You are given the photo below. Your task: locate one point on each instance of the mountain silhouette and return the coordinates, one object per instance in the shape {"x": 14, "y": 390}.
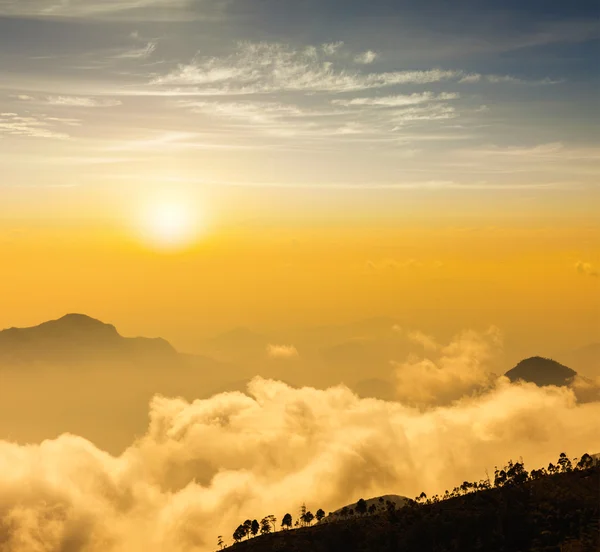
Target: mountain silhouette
{"x": 380, "y": 503}
{"x": 77, "y": 337}
{"x": 542, "y": 372}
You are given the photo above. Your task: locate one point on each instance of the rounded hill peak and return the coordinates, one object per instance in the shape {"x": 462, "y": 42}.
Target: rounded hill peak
{"x": 541, "y": 371}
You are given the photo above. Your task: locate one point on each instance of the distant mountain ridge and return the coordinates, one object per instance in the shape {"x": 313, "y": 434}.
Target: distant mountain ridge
{"x": 76, "y": 337}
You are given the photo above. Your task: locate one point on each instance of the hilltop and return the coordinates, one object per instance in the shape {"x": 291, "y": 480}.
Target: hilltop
{"x": 541, "y": 371}
{"x": 537, "y": 512}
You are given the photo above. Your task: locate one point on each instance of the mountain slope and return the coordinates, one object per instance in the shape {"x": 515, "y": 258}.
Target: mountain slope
{"x": 556, "y": 512}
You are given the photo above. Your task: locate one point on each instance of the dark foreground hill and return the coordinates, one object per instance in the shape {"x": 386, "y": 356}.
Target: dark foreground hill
{"x": 554, "y": 513}
{"x": 541, "y": 371}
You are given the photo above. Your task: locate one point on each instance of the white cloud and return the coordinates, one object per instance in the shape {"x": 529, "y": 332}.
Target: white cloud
{"x": 138, "y": 53}
{"x": 460, "y": 369}
{"x": 366, "y": 58}
{"x": 265, "y": 67}
{"x": 203, "y": 467}
{"x": 34, "y": 126}
{"x": 81, "y": 101}
{"x": 254, "y": 112}
{"x": 331, "y": 48}
{"x": 433, "y": 112}
{"x": 282, "y": 351}
{"x": 396, "y": 101}
{"x": 83, "y": 8}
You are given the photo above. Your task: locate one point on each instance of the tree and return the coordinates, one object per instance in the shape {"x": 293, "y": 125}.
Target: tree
{"x": 307, "y": 518}
{"x": 372, "y": 509}
{"x": 239, "y": 533}
{"x": 585, "y": 462}
{"x": 220, "y": 542}
{"x": 361, "y": 507}
{"x": 273, "y": 521}
{"x": 265, "y": 526}
{"x": 344, "y": 512}
{"x": 286, "y": 522}
{"x": 320, "y": 514}
{"x": 254, "y": 528}
{"x": 564, "y": 463}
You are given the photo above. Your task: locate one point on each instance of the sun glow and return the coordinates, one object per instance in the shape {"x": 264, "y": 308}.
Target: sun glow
{"x": 171, "y": 223}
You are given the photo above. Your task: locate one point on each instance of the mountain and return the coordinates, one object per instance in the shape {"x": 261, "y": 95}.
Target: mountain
{"x": 379, "y": 504}
{"x": 541, "y": 371}
{"x": 559, "y": 512}
{"x": 79, "y": 375}
{"x": 77, "y": 338}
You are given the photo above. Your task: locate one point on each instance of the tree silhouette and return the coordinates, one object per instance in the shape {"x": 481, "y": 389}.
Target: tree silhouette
{"x": 273, "y": 521}
{"x": 585, "y": 462}
{"x": 247, "y": 525}
{"x": 239, "y": 533}
{"x": 254, "y": 528}
{"x": 286, "y": 522}
{"x": 220, "y": 542}
{"x": 307, "y": 518}
{"x": 320, "y": 514}
{"x": 361, "y": 507}
{"x": 372, "y": 509}
{"x": 265, "y": 526}
{"x": 564, "y": 463}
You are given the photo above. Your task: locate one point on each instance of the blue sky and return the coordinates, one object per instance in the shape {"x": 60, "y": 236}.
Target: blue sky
{"x": 386, "y": 94}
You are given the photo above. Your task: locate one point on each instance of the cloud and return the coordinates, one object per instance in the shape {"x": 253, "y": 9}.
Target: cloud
{"x": 81, "y": 101}
{"x": 396, "y": 101}
{"x": 282, "y": 351}
{"x": 426, "y": 341}
{"x": 34, "y": 126}
{"x": 72, "y": 9}
{"x": 203, "y": 467}
{"x": 138, "y": 53}
{"x": 272, "y": 67}
{"x": 332, "y": 48}
{"x": 253, "y": 112}
{"x": 366, "y": 58}
{"x": 460, "y": 369}
{"x": 586, "y": 269}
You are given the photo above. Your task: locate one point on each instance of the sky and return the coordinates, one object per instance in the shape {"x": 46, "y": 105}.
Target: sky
{"x": 395, "y": 194}
{"x": 183, "y": 167}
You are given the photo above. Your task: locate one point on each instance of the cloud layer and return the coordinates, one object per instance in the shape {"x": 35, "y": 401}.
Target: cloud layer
{"x": 204, "y": 466}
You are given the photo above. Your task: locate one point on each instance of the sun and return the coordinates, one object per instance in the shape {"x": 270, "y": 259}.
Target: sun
{"x": 171, "y": 223}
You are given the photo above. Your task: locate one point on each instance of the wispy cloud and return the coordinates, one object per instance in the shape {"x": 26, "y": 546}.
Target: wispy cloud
{"x": 366, "y": 58}
{"x": 34, "y": 126}
{"x": 282, "y": 351}
{"x": 274, "y": 67}
{"x": 397, "y": 101}
{"x": 265, "y": 67}
{"x": 138, "y": 53}
{"x": 84, "y": 8}
{"x": 81, "y": 101}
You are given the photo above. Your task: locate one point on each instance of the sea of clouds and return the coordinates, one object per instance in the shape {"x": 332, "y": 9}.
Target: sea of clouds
{"x": 203, "y": 467}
